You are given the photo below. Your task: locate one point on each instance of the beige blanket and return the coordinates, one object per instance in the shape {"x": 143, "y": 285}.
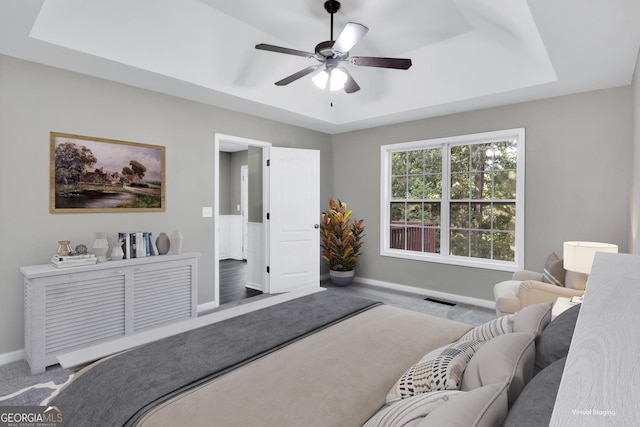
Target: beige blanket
{"x": 336, "y": 377}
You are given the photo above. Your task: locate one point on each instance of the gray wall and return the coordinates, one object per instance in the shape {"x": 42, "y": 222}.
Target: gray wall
{"x": 230, "y": 181}
{"x": 579, "y": 170}
{"x": 635, "y": 188}
{"x": 255, "y": 185}
{"x": 36, "y": 99}
{"x": 578, "y": 177}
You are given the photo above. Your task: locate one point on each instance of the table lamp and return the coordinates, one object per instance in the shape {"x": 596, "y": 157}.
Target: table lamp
{"x": 578, "y": 256}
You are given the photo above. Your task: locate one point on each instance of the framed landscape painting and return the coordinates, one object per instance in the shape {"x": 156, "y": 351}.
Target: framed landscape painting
{"x": 91, "y": 174}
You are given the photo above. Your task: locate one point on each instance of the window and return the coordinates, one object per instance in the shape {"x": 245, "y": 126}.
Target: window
{"x": 457, "y": 200}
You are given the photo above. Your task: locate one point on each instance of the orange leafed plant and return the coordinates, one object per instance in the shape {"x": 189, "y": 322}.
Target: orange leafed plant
{"x": 341, "y": 237}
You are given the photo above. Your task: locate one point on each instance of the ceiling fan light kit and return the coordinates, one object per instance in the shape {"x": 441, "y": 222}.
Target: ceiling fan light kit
{"x": 332, "y": 53}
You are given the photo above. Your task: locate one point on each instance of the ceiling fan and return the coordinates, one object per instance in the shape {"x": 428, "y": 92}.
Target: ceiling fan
{"x": 331, "y": 54}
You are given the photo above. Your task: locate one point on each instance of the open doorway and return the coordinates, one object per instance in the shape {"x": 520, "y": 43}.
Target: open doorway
{"x": 283, "y": 250}
{"x": 239, "y": 242}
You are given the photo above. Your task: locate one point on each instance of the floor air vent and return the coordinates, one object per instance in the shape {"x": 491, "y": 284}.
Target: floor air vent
{"x": 439, "y": 301}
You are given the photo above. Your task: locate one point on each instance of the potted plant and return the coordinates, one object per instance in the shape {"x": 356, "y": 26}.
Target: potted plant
{"x": 341, "y": 242}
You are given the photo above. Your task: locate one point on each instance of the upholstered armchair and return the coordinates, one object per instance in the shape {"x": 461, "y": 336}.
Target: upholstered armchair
{"x": 526, "y": 288}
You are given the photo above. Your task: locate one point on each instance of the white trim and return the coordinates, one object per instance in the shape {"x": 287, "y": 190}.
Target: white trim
{"x": 218, "y": 138}
{"x": 427, "y": 292}
{"x": 207, "y": 306}
{"x": 11, "y": 357}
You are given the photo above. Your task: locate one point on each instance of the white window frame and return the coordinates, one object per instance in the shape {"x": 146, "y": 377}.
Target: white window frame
{"x": 386, "y": 152}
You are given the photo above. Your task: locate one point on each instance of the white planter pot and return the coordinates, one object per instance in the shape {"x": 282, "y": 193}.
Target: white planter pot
{"x": 341, "y": 278}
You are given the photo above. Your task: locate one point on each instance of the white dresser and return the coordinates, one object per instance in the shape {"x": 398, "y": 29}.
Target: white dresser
{"x": 71, "y": 308}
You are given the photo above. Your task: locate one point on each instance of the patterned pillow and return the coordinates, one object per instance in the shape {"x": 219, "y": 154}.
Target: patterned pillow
{"x": 553, "y": 270}
{"x": 491, "y": 329}
{"x": 440, "y": 369}
{"x": 411, "y": 411}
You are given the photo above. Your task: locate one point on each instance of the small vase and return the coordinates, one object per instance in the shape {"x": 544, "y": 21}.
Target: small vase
{"x": 101, "y": 246}
{"x": 176, "y": 242}
{"x": 163, "y": 244}
{"x": 116, "y": 253}
{"x": 64, "y": 247}
{"x": 341, "y": 278}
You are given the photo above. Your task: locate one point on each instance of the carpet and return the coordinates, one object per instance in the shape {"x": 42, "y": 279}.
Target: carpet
{"x": 35, "y": 395}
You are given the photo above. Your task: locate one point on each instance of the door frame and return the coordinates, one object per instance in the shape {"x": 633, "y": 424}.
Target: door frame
{"x": 218, "y": 138}
{"x": 244, "y": 206}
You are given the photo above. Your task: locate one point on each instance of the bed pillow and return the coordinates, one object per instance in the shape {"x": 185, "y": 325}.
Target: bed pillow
{"x": 491, "y": 329}
{"x": 411, "y": 411}
{"x": 553, "y": 271}
{"x": 553, "y": 343}
{"x": 440, "y": 369}
{"x": 509, "y": 357}
{"x": 483, "y": 407}
{"x": 535, "y": 404}
{"x": 533, "y": 318}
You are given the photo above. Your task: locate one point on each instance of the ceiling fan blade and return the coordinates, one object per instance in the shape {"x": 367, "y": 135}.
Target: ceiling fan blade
{"x": 348, "y": 38}
{"x": 370, "y": 61}
{"x": 350, "y": 85}
{"x": 286, "y": 50}
{"x": 295, "y": 76}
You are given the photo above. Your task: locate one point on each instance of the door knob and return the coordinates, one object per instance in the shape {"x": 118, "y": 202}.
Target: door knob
{"x": 316, "y": 226}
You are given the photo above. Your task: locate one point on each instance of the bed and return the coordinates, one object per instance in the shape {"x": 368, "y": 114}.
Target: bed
{"x": 324, "y": 359}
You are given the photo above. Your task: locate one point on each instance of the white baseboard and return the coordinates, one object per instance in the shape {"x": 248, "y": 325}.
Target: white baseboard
{"x": 254, "y": 286}
{"x": 207, "y": 306}
{"x": 14, "y": 356}
{"x": 428, "y": 293}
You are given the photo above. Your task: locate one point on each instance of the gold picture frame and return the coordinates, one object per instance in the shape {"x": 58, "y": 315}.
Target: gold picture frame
{"x": 90, "y": 174}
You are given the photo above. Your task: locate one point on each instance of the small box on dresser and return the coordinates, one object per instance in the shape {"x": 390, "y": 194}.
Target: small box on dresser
{"x": 76, "y": 307}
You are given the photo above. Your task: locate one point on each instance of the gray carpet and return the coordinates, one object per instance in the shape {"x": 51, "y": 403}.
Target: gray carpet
{"x": 16, "y": 376}
{"x": 465, "y": 313}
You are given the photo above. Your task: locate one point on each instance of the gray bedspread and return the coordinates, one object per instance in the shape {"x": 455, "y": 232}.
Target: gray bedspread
{"x": 120, "y": 390}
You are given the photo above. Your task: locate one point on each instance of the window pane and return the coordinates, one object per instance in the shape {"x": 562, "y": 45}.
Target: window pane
{"x": 414, "y": 239}
{"x": 504, "y": 246}
{"x": 433, "y": 187}
{"x": 416, "y": 188}
{"x": 505, "y": 155}
{"x": 481, "y": 157}
{"x": 460, "y": 186}
{"x": 459, "y": 215}
{"x": 460, "y": 159}
{"x": 398, "y": 213}
{"x": 505, "y": 185}
{"x": 504, "y": 216}
{"x": 480, "y": 244}
{"x": 432, "y": 240}
{"x": 432, "y": 214}
{"x": 433, "y": 160}
{"x": 416, "y": 161}
{"x": 481, "y": 216}
{"x": 481, "y": 185}
{"x": 398, "y": 187}
{"x": 397, "y": 237}
{"x": 459, "y": 245}
{"x": 414, "y": 214}
{"x": 399, "y": 163}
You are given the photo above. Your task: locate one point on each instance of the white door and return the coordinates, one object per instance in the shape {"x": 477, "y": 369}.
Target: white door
{"x": 294, "y": 212}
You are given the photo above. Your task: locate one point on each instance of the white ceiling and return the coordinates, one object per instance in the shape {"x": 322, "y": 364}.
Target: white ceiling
{"x": 466, "y": 54}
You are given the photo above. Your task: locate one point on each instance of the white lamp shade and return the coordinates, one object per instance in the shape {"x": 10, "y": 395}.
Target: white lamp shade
{"x": 336, "y": 79}
{"x": 321, "y": 79}
{"x": 578, "y": 256}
